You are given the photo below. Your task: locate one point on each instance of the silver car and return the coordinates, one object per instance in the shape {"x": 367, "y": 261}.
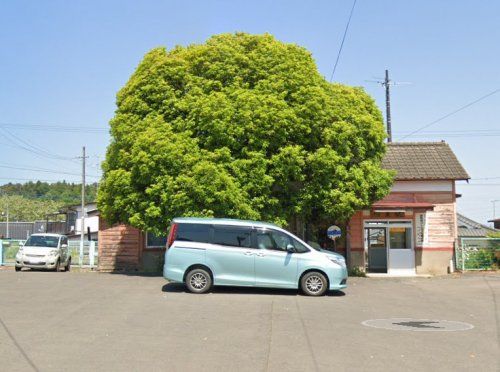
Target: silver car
{"x": 44, "y": 251}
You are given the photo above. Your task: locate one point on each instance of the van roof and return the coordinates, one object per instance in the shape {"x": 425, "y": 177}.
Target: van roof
{"x": 222, "y": 221}
{"x": 46, "y": 234}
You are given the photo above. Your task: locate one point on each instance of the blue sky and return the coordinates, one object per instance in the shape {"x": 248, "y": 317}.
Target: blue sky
{"x": 63, "y": 62}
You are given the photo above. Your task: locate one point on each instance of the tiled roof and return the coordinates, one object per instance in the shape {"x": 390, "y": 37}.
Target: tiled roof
{"x": 423, "y": 161}
{"x": 471, "y": 228}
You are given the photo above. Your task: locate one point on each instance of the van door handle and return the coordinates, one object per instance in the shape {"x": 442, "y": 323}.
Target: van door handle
{"x": 260, "y": 254}
{"x": 248, "y": 253}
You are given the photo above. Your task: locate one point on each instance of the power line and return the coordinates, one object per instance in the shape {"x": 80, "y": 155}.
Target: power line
{"x": 53, "y": 128}
{"x": 32, "y": 179}
{"x": 31, "y": 148}
{"x": 457, "y": 133}
{"x": 452, "y": 113}
{"x": 487, "y": 178}
{"x": 45, "y": 170}
{"x": 343, "y": 39}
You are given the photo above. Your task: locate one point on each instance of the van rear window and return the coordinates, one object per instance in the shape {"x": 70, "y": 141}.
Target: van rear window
{"x": 193, "y": 232}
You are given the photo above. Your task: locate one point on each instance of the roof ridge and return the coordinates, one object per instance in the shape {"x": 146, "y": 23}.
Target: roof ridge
{"x": 472, "y": 222}
{"x": 439, "y": 143}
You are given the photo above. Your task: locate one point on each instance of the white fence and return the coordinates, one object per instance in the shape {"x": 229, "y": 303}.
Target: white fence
{"x": 86, "y": 256}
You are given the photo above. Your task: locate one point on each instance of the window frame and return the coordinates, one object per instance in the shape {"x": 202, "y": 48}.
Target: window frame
{"x": 152, "y": 247}
{"x": 250, "y": 228}
{"x": 290, "y": 236}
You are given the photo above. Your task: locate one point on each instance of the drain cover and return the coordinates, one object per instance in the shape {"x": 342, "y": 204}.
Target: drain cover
{"x": 419, "y": 325}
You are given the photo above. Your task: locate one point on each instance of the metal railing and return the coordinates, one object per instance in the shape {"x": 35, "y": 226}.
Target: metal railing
{"x": 478, "y": 254}
{"x": 8, "y": 251}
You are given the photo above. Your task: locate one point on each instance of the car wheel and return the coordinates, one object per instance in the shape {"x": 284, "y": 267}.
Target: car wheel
{"x": 314, "y": 284}
{"x": 198, "y": 281}
{"x": 58, "y": 266}
{"x": 18, "y": 268}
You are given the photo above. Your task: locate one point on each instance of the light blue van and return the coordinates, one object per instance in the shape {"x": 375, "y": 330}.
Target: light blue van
{"x": 202, "y": 252}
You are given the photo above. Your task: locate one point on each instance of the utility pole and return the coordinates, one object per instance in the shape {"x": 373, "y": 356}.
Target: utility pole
{"x": 387, "y": 84}
{"x": 494, "y": 212}
{"x": 82, "y": 215}
{"x": 6, "y": 213}
{"x": 7, "y": 230}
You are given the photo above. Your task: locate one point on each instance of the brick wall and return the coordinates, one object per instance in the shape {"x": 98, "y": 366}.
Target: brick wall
{"x": 120, "y": 247}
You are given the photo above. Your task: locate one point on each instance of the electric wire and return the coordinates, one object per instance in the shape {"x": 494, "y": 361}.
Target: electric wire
{"x": 451, "y": 113}
{"x": 343, "y": 39}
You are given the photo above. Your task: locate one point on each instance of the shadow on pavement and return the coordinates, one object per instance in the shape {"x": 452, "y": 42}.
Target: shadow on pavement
{"x": 181, "y": 288}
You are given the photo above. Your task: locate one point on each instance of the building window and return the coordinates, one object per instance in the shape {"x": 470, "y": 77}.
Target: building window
{"x": 153, "y": 241}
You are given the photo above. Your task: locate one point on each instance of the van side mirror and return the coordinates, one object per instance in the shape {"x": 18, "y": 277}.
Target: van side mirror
{"x": 64, "y": 246}
{"x": 290, "y": 248}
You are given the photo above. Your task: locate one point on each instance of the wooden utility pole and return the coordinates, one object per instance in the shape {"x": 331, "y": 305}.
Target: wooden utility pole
{"x": 387, "y": 84}
{"x": 82, "y": 213}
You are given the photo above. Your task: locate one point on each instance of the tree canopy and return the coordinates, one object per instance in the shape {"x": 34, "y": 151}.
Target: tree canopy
{"x": 243, "y": 126}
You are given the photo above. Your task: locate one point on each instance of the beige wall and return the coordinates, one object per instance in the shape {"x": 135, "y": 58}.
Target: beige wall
{"x": 433, "y": 262}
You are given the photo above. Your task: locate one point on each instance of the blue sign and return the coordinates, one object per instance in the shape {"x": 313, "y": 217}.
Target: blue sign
{"x": 333, "y": 232}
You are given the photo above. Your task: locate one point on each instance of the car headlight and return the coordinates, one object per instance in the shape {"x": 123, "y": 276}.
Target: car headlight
{"x": 339, "y": 260}
{"x": 53, "y": 252}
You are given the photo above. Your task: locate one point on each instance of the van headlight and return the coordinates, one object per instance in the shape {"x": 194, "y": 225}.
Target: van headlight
{"x": 53, "y": 252}
{"x": 339, "y": 260}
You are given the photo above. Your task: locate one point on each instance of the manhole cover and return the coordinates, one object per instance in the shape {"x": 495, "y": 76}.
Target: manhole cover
{"x": 419, "y": 325}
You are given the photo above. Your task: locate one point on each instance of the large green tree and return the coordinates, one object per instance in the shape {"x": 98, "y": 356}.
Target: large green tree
{"x": 242, "y": 126}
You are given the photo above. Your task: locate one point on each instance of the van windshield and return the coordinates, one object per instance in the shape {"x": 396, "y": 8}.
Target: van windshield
{"x": 42, "y": 241}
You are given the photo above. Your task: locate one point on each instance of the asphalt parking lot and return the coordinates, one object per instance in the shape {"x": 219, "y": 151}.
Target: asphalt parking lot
{"x": 91, "y": 321}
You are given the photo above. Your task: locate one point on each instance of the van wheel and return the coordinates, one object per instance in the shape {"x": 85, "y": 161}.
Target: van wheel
{"x": 198, "y": 281}
{"x": 18, "y": 268}
{"x": 58, "y": 266}
{"x": 314, "y": 284}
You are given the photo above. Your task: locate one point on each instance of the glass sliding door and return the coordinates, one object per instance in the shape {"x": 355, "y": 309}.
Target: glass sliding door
{"x": 400, "y": 237}
{"x": 389, "y": 247}
{"x": 376, "y": 244}
{"x": 401, "y": 253}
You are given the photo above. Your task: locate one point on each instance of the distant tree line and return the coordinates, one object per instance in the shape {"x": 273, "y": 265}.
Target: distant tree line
{"x": 35, "y": 200}
{"x": 64, "y": 192}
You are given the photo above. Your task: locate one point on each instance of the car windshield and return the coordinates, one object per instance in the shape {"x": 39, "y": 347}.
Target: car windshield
{"x": 42, "y": 241}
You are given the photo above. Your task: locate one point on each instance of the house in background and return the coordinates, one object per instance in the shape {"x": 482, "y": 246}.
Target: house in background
{"x": 412, "y": 230}
{"x": 496, "y": 223}
{"x": 468, "y": 228}
{"x": 21, "y": 230}
{"x": 53, "y": 224}
{"x": 74, "y": 221}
